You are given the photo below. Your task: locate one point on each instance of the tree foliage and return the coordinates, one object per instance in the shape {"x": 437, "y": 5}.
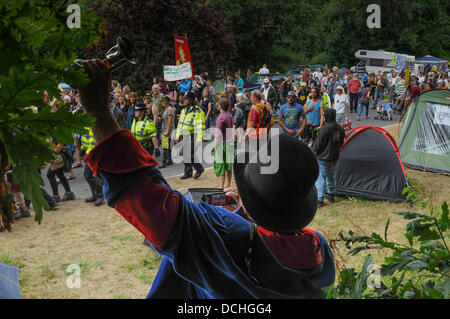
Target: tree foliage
{"x": 38, "y": 50}
{"x": 290, "y": 32}
{"x": 151, "y": 25}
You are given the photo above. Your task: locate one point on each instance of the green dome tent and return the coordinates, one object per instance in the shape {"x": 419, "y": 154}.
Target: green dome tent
{"x": 424, "y": 141}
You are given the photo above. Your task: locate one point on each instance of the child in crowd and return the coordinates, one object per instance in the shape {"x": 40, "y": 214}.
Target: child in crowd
{"x": 385, "y": 109}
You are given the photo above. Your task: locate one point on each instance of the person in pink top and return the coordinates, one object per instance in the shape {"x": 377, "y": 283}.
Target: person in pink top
{"x": 354, "y": 87}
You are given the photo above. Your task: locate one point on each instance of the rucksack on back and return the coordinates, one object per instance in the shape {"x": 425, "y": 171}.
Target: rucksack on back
{"x": 68, "y": 159}
{"x": 266, "y": 119}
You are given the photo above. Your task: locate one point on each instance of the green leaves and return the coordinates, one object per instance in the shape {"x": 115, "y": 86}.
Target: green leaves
{"x": 38, "y": 51}
{"x": 427, "y": 257}
{"x": 444, "y": 221}
{"x": 60, "y": 124}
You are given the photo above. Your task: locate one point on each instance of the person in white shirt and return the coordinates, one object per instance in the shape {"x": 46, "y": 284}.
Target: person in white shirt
{"x": 318, "y": 75}
{"x": 421, "y": 77}
{"x": 269, "y": 92}
{"x": 266, "y": 87}
{"x": 340, "y": 104}
{"x": 393, "y": 83}
{"x": 264, "y": 70}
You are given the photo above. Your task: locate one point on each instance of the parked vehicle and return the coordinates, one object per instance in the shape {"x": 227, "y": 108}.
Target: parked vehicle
{"x": 375, "y": 61}
{"x": 276, "y": 79}
{"x": 296, "y": 70}
{"x": 257, "y": 81}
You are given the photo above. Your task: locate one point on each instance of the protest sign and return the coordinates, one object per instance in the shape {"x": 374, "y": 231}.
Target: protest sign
{"x": 177, "y": 72}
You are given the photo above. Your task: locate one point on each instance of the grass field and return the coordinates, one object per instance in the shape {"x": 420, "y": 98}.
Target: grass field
{"x": 113, "y": 262}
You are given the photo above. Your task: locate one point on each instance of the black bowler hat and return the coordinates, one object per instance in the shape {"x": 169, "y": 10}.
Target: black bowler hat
{"x": 286, "y": 201}
{"x": 140, "y": 106}
{"x": 190, "y": 95}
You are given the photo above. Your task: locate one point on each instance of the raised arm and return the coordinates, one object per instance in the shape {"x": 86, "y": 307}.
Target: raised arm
{"x": 97, "y": 104}
{"x": 139, "y": 195}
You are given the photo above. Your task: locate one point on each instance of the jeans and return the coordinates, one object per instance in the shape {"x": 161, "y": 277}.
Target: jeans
{"x": 326, "y": 179}
{"x": 363, "y": 105}
{"x": 354, "y": 97}
{"x": 277, "y": 100}
{"x": 208, "y": 121}
{"x": 158, "y": 125}
{"x": 95, "y": 182}
{"x": 378, "y": 98}
{"x": 51, "y": 175}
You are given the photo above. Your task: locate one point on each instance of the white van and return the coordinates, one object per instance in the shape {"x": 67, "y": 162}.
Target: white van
{"x": 375, "y": 61}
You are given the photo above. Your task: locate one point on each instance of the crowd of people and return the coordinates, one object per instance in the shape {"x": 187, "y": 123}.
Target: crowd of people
{"x": 183, "y": 111}
{"x": 360, "y": 90}
{"x": 231, "y": 254}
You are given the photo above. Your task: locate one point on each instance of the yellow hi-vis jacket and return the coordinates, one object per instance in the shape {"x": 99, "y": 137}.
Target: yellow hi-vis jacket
{"x": 325, "y": 99}
{"x": 88, "y": 141}
{"x": 144, "y": 130}
{"x": 192, "y": 121}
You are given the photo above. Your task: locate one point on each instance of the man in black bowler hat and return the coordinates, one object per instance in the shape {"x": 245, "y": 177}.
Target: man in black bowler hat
{"x": 262, "y": 250}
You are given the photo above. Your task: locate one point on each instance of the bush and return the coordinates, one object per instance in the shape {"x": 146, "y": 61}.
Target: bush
{"x": 419, "y": 269}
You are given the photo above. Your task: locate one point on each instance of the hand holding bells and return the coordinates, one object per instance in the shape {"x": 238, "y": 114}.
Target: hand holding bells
{"x": 95, "y": 95}
{"x": 119, "y": 55}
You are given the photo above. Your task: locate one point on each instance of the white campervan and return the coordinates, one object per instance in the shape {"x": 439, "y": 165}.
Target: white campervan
{"x": 375, "y": 61}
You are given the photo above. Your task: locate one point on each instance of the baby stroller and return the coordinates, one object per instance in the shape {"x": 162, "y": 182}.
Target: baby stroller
{"x": 383, "y": 112}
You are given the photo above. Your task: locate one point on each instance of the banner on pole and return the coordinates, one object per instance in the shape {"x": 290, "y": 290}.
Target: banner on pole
{"x": 399, "y": 62}
{"x": 177, "y": 72}
{"x": 182, "y": 52}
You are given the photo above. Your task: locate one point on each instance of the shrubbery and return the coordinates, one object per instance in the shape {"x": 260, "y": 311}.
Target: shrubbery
{"x": 418, "y": 269}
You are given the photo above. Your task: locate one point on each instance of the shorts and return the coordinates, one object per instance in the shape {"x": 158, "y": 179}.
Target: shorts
{"x": 223, "y": 159}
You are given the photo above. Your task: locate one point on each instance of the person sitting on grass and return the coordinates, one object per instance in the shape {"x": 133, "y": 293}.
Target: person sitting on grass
{"x": 262, "y": 250}
{"x": 223, "y": 144}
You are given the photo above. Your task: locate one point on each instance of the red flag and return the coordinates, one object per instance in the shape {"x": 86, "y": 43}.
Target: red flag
{"x": 182, "y": 52}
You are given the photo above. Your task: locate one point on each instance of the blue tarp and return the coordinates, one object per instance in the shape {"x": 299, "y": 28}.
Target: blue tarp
{"x": 8, "y": 276}
{"x": 430, "y": 59}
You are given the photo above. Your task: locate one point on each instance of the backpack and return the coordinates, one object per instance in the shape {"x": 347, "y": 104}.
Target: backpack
{"x": 265, "y": 118}
{"x": 68, "y": 159}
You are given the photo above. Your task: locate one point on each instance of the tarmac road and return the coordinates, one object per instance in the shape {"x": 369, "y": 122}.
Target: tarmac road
{"x": 81, "y": 189}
